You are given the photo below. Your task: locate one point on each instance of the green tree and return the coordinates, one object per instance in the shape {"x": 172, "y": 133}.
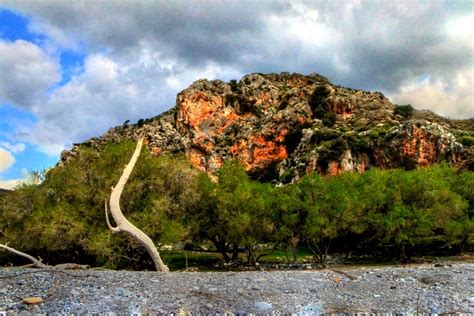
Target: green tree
{"x": 333, "y": 209}
{"x": 289, "y": 215}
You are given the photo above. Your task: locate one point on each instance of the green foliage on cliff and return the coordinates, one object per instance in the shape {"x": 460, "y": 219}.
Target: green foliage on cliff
{"x": 404, "y": 110}
{"x": 329, "y": 119}
{"x": 396, "y": 212}
{"x": 317, "y": 101}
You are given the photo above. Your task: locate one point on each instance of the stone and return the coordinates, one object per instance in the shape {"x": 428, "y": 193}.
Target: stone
{"x": 312, "y": 309}
{"x": 32, "y": 300}
{"x": 262, "y": 305}
{"x": 74, "y": 292}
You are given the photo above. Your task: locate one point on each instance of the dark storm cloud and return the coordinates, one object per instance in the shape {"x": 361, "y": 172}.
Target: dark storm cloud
{"x": 381, "y": 42}
{"x": 194, "y": 32}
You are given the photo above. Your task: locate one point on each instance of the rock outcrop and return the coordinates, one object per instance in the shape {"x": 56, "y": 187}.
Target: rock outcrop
{"x": 275, "y": 125}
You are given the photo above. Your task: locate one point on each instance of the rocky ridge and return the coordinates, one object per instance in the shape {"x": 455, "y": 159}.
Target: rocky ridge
{"x": 275, "y": 125}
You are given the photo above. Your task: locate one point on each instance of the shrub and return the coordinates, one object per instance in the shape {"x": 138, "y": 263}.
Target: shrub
{"x": 329, "y": 119}
{"x": 233, "y": 85}
{"x": 467, "y": 141}
{"x": 323, "y": 135}
{"x": 357, "y": 144}
{"x": 404, "y": 110}
{"x": 331, "y": 153}
{"x": 316, "y": 101}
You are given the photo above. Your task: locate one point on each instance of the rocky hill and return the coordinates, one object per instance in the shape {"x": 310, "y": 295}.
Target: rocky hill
{"x": 281, "y": 126}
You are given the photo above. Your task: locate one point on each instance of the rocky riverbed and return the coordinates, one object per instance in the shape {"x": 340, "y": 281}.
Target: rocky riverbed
{"x": 395, "y": 289}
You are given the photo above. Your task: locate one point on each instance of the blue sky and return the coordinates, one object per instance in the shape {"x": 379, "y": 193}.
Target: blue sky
{"x": 27, "y": 158}
{"x": 71, "y": 70}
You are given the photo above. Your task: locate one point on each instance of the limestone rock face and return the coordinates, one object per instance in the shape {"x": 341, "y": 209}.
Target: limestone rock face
{"x": 272, "y": 124}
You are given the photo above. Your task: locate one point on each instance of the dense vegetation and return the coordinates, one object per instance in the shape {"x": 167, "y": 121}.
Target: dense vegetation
{"x": 394, "y": 212}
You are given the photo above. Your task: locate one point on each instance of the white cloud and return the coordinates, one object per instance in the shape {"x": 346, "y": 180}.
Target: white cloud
{"x": 10, "y": 184}
{"x": 26, "y": 71}
{"x": 452, "y": 98}
{"x": 6, "y": 159}
{"x": 14, "y": 148}
{"x": 462, "y": 29}
{"x": 26, "y": 178}
{"x": 109, "y": 92}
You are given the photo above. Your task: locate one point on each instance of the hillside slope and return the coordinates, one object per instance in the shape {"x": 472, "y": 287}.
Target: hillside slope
{"x": 281, "y": 126}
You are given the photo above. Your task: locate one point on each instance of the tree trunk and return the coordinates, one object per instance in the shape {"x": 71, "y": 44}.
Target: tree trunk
{"x": 123, "y": 225}
{"x": 235, "y": 252}
{"x": 221, "y": 248}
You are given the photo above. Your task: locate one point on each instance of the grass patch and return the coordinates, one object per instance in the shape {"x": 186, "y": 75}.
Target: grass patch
{"x": 203, "y": 261}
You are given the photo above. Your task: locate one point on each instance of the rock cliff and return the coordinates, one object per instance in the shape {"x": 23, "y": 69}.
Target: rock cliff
{"x": 281, "y": 126}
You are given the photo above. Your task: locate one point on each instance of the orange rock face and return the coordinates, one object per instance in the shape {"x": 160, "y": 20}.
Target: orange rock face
{"x": 258, "y": 152}
{"x": 420, "y": 147}
{"x": 204, "y": 115}
{"x": 343, "y": 107}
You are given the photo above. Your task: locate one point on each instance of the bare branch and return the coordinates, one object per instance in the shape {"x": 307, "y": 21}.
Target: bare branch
{"x": 122, "y": 223}
{"x": 113, "y": 229}
{"x": 36, "y": 262}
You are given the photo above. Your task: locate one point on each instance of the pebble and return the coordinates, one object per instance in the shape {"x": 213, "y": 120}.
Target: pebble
{"x": 262, "y": 305}
{"x": 32, "y": 300}
{"x": 74, "y": 292}
{"x": 280, "y": 292}
{"x": 313, "y": 308}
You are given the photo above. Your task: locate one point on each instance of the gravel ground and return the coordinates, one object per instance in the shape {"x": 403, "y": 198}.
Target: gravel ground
{"x": 399, "y": 289}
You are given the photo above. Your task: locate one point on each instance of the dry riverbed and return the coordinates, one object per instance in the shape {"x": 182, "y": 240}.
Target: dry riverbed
{"x": 396, "y": 289}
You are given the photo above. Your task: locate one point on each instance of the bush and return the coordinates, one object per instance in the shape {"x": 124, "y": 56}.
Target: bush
{"x": 467, "y": 141}
{"x": 329, "y": 119}
{"x": 316, "y": 101}
{"x": 323, "y": 135}
{"x": 357, "y": 144}
{"x": 332, "y": 153}
{"x": 404, "y": 110}
{"x": 233, "y": 85}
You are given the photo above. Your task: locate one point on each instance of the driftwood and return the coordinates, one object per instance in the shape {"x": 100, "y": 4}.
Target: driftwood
{"x": 350, "y": 276}
{"x": 43, "y": 267}
{"x": 122, "y": 224}
{"x": 36, "y": 263}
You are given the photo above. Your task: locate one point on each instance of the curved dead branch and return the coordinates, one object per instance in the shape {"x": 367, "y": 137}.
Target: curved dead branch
{"x": 123, "y": 225}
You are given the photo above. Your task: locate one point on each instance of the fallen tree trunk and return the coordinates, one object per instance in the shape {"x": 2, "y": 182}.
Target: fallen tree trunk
{"x": 122, "y": 224}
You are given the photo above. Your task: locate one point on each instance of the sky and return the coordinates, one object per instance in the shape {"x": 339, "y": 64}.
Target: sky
{"x": 70, "y": 70}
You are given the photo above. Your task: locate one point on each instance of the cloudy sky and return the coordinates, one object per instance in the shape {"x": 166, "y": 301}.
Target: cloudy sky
{"x": 69, "y": 70}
